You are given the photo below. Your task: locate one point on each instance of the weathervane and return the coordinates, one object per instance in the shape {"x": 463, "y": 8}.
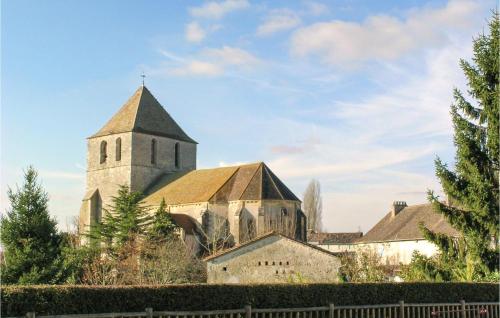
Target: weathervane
{"x": 143, "y": 77}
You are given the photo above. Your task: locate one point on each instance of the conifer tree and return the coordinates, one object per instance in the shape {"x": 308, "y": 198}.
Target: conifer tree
{"x": 472, "y": 186}
{"x": 124, "y": 220}
{"x": 162, "y": 226}
{"x": 31, "y": 243}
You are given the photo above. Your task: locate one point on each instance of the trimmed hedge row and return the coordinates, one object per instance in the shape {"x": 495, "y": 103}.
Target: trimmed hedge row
{"x": 53, "y": 300}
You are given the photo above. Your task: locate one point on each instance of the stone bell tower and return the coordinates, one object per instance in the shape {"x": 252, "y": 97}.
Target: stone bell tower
{"x": 137, "y": 145}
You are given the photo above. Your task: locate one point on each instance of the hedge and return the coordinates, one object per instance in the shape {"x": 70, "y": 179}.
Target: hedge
{"x": 53, "y": 300}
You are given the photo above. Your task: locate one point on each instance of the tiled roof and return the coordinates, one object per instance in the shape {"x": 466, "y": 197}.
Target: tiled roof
{"x": 143, "y": 113}
{"x": 405, "y": 225}
{"x": 261, "y": 237}
{"x": 333, "y": 238}
{"x": 246, "y": 182}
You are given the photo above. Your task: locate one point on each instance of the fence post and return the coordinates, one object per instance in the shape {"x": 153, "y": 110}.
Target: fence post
{"x": 331, "y": 307}
{"x": 462, "y": 309}
{"x": 30, "y": 314}
{"x": 248, "y": 311}
{"x": 401, "y": 309}
{"x": 149, "y": 312}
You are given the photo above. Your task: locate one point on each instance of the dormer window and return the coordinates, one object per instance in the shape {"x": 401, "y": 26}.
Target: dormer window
{"x": 104, "y": 152}
{"x": 153, "y": 151}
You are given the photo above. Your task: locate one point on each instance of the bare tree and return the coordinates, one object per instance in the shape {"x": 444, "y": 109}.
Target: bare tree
{"x": 313, "y": 206}
{"x": 214, "y": 235}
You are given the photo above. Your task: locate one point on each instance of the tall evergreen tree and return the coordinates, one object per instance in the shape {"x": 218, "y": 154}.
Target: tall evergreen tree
{"x": 29, "y": 236}
{"x": 162, "y": 226}
{"x": 124, "y": 220}
{"x": 472, "y": 187}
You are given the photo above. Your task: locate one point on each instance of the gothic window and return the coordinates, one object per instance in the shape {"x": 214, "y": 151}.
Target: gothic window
{"x": 153, "y": 151}
{"x": 118, "y": 149}
{"x": 177, "y": 155}
{"x": 104, "y": 151}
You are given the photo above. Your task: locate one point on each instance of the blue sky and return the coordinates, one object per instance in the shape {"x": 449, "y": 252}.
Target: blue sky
{"x": 353, "y": 93}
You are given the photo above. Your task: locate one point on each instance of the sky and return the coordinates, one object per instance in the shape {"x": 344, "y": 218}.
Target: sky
{"x": 355, "y": 94}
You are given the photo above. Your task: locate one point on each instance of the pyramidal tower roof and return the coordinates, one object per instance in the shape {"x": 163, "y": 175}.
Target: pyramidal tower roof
{"x": 143, "y": 113}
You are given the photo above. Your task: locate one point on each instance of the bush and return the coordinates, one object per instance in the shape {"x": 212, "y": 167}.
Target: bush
{"x": 53, "y": 300}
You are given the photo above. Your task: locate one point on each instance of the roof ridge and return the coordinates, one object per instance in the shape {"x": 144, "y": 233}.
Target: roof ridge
{"x": 225, "y": 182}
{"x": 250, "y": 180}
{"x": 138, "y": 105}
{"x": 272, "y": 180}
{"x": 265, "y": 235}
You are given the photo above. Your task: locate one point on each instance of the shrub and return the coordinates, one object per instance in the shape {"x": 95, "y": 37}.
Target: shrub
{"x": 53, "y": 300}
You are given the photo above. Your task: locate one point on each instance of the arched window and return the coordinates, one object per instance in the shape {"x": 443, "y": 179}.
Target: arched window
{"x": 177, "y": 155}
{"x": 118, "y": 149}
{"x": 104, "y": 151}
{"x": 153, "y": 151}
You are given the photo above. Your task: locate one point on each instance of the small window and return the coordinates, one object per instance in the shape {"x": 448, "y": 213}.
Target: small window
{"x": 118, "y": 149}
{"x": 177, "y": 155}
{"x": 274, "y": 263}
{"x": 276, "y": 272}
{"x": 153, "y": 151}
{"x": 281, "y": 263}
{"x": 288, "y": 263}
{"x": 224, "y": 269}
{"x": 104, "y": 151}
{"x": 260, "y": 263}
{"x": 284, "y": 212}
{"x": 266, "y": 263}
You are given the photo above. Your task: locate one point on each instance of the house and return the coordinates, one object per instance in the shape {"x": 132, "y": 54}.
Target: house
{"x": 397, "y": 235}
{"x": 143, "y": 147}
{"x": 273, "y": 258}
{"x": 334, "y": 242}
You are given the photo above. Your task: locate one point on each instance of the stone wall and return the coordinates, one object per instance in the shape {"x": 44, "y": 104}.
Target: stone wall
{"x": 273, "y": 259}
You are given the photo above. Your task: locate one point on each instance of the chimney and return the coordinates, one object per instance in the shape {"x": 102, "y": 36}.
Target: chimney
{"x": 397, "y": 206}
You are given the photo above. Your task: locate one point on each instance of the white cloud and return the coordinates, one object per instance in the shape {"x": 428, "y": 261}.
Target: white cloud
{"x": 198, "y": 68}
{"x": 216, "y": 10}
{"x": 277, "y": 21}
{"x": 316, "y": 8}
{"x": 383, "y": 147}
{"x": 211, "y": 62}
{"x": 194, "y": 32}
{"x": 383, "y": 37}
{"x": 232, "y": 56}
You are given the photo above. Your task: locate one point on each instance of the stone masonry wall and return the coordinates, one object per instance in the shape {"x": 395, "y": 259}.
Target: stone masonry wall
{"x": 273, "y": 259}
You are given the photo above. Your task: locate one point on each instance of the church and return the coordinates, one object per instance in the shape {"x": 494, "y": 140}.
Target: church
{"x": 143, "y": 147}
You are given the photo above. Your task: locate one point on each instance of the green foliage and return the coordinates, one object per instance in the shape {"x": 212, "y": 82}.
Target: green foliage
{"x": 473, "y": 185}
{"x": 124, "y": 221}
{"x": 364, "y": 266}
{"x": 163, "y": 226}
{"x": 31, "y": 243}
{"x": 52, "y": 300}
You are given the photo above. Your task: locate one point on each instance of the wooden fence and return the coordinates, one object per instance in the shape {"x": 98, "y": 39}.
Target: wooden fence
{"x": 399, "y": 310}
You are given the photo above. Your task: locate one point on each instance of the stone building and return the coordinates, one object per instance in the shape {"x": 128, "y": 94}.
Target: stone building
{"x": 142, "y": 147}
{"x": 397, "y": 235}
{"x": 273, "y": 258}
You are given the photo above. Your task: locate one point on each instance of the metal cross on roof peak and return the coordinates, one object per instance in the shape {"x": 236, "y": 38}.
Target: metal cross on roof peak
{"x": 143, "y": 77}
